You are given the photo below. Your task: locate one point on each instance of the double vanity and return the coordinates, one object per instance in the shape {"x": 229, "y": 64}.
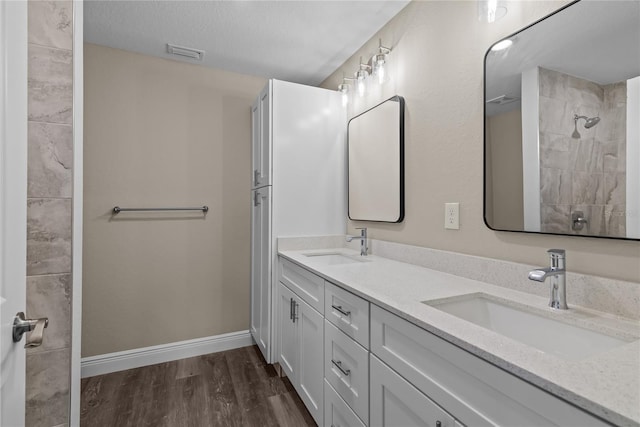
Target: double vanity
{"x": 367, "y": 340}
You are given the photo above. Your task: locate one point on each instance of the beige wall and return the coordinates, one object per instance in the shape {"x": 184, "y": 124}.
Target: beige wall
{"x": 437, "y": 65}
{"x": 164, "y": 133}
{"x": 505, "y": 133}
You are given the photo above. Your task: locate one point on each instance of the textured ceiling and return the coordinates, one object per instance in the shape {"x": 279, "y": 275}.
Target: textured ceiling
{"x": 298, "y": 41}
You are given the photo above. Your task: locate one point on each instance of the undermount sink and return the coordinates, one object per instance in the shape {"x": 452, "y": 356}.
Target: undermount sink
{"x": 334, "y": 258}
{"x": 529, "y": 326}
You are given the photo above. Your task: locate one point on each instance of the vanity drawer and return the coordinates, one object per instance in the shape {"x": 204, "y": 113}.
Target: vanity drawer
{"x": 336, "y": 412}
{"x": 346, "y": 368}
{"x": 304, "y": 283}
{"x": 348, "y": 312}
{"x": 395, "y": 402}
{"x": 472, "y": 390}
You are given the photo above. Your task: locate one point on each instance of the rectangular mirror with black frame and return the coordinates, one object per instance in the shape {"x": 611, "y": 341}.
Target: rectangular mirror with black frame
{"x": 375, "y": 141}
{"x": 562, "y": 124}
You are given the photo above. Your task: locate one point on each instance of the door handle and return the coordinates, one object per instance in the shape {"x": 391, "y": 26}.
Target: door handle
{"x": 35, "y": 326}
{"x": 290, "y": 308}
{"x": 256, "y": 199}
{"x": 256, "y": 177}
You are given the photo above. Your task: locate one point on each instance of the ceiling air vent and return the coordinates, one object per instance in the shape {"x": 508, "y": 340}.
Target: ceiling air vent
{"x": 185, "y": 52}
{"x": 502, "y": 99}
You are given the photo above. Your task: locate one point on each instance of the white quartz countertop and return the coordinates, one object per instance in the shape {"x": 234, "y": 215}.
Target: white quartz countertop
{"x": 606, "y": 384}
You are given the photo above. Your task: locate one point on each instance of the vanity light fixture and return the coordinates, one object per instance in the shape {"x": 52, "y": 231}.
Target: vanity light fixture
{"x": 379, "y": 62}
{"x": 377, "y": 67}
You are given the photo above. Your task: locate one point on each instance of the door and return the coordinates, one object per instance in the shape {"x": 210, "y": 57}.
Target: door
{"x": 310, "y": 332}
{"x": 13, "y": 205}
{"x": 261, "y": 270}
{"x": 287, "y": 332}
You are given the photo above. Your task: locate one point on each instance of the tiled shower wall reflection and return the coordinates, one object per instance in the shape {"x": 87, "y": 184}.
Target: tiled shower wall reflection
{"x": 50, "y": 148}
{"x": 586, "y": 174}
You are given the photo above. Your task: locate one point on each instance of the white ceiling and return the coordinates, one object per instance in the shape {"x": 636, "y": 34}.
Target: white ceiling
{"x": 594, "y": 40}
{"x": 300, "y": 41}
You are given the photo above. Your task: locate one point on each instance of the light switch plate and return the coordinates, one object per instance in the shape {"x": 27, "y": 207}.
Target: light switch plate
{"x": 452, "y": 216}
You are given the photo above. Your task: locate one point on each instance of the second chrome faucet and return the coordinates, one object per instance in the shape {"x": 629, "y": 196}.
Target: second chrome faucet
{"x": 364, "y": 248}
{"x": 557, "y": 274}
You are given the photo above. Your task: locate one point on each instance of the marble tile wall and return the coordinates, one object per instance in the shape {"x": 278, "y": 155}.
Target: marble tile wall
{"x": 585, "y": 174}
{"x": 49, "y": 208}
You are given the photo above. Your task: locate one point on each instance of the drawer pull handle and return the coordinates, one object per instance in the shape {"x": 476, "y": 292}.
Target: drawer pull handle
{"x": 341, "y": 310}
{"x": 338, "y": 365}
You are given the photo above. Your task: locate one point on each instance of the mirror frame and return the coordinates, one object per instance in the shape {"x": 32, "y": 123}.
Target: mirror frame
{"x": 484, "y": 138}
{"x": 401, "y": 105}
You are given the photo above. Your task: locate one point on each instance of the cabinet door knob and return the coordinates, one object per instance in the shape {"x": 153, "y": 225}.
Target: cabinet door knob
{"x": 438, "y": 424}
{"x": 342, "y": 311}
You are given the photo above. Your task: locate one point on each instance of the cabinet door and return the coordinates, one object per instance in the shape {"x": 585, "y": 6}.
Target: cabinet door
{"x": 287, "y": 333}
{"x": 396, "y": 403}
{"x": 265, "y": 138}
{"x": 255, "y": 142}
{"x": 260, "y": 140}
{"x": 310, "y": 326}
{"x": 261, "y": 270}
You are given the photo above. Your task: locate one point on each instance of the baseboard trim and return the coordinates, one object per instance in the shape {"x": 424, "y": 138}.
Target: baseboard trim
{"x": 138, "y": 357}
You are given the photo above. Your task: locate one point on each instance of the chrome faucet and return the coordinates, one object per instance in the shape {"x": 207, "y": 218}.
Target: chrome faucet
{"x": 363, "y": 241}
{"x": 557, "y": 272}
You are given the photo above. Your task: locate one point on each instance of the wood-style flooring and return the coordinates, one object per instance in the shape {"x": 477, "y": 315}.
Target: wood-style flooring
{"x": 230, "y": 388}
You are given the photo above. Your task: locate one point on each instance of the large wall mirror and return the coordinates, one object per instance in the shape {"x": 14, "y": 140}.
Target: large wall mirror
{"x": 562, "y": 124}
{"x": 375, "y": 142}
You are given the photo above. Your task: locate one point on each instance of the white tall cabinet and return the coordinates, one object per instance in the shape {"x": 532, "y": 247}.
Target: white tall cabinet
{"x": 298, "y": 181}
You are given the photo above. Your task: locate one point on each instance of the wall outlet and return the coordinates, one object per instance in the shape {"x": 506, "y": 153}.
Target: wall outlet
{"x": 452, "y": 216}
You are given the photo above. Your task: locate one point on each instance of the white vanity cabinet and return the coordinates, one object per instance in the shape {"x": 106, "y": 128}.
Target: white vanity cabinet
{"x": 300, "y": 349}
{"x": 356, "y": 364}
{"x": 475, "y": 392}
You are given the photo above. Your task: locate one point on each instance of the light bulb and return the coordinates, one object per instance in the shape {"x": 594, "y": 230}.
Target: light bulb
{"x": 492, "y": 7}
{"x": 361, "y": 86}
{"x": 380, "y": 72}
{"x": 361, "y": 78}
{"x": 344, "y": 90}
